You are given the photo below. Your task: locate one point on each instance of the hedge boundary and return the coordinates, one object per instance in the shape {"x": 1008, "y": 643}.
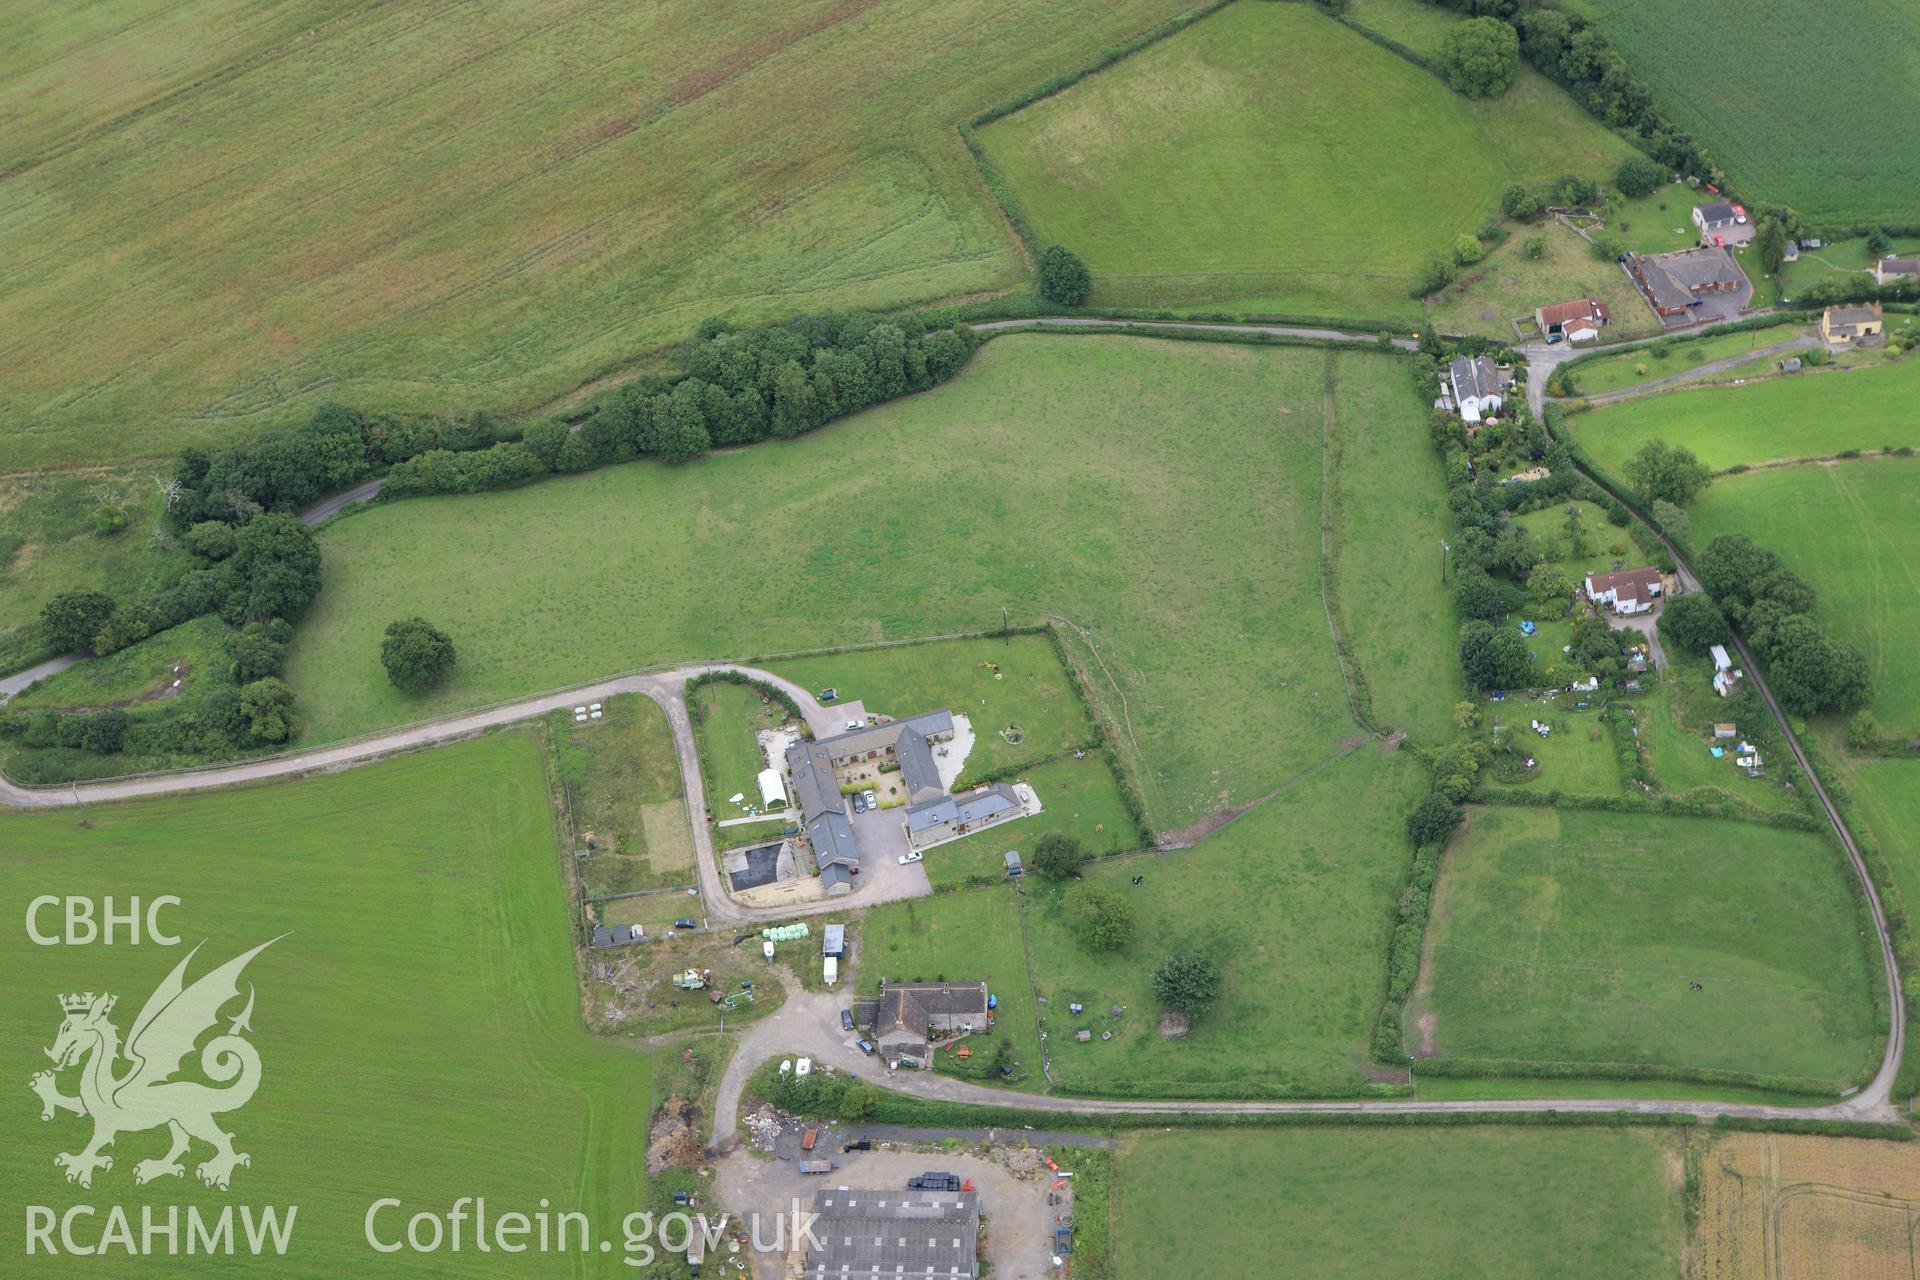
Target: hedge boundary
{"x": 1521, "y": 1068}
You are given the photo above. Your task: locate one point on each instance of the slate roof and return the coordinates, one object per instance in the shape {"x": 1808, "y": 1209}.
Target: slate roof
{"x": 832, "y": 837}
{"x": 1697, "y": 269}
{"x": 974, "y": 806}
{"x": 814, "y": 787}
{"x": 917, "y": 767}
{"x": 1839, "y": 318}
{"x": 1718, "y": 211}
{"x": 1898, "y": 267}
{"x": 1474, "y": 377}
{"x": 882, "y": 737}
{"x": 899, "y": 1235}
{"x": 911, "y": 1006}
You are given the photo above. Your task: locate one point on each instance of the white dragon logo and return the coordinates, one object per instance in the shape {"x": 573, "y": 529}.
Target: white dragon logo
{"x": 147, "y": 1096}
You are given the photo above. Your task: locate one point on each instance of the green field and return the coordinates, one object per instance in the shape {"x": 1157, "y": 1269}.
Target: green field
{"x": 140, "y": 677}
{"x": 1343, "y": 1203}
{"x": 623, "y": 782}
{"x": 1762, "y": 105}
{"x": 1677, "y": 720}
{"x": 1577, "y": 756}
{"x": 1665, "y": 360}
{"x": 1803, "y": 416}
{"x": 1507, "y": 284}
{"x": 1227, "y": 165}
{"x": 1080, "y": 798}
{"x": 1397, "y": 615}
{"x": 224, "y": 211}
{"x": 1031, "y": 693}
{"x": 419, "y": 1024}
{"x": 959, "y": 937}
{"x": 49, "y": 543}
{"x": 1853, "y": 531}
{"x": 1179, "y": 539}
{"x": 1572, "y": 937}
{"x": 1294, "y": 900}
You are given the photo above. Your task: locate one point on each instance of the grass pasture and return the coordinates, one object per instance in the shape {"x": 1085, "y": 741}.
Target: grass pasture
{"x": 1032, "y": 692}
{"x": 1573, "y": 937}
{"x": 1762, "y": 105}
{"x": 1453, "y": 1203}
{"x": 1226, "y": 165}
{"x": 419, "y": 1024}
{"x": 1853, "y": 531}
{"x": 222, "y": 212}
{"x": 1294, "y": 899}
{"x": 1181, "y": 540}
{"x": 1576, "y": 757}
{"x": 1080, "y": 798}
{"x": 623, "y": 781}
{"x": 1806, "y": 415}
{"x": 1508, "y": 284}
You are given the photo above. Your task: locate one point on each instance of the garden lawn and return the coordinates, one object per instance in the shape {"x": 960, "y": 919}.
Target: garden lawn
{"x": 1659, "y": 360}
{"x": 1081, "y": 798}
{"x": 1508, "y": 284}
{"x": 1762, "y": 105}
{"x": 1294, "y": 899}
{"x": 1677, "y": 720}
{"x": 418, "y": 1022}
{"x": 1388, "y": 521}
{"x": 1572, "y": 937}
{"x": 223, "y": 212}
{"x": 1802, "y": 416}
{"x": 727, "y": 719}
{"x": 1161, "y": 496}
{"x": 1227, "y": 165}
{"x": 1444, "y": 1203}
{"x": 1031, "y": 692}
{"x": 1577, "y": 757}
{"x": 1853, "y": 531}
{"x": 970, "y": 935}
{"x": 623, "y": 779}
{"x": 1659, "y": 222}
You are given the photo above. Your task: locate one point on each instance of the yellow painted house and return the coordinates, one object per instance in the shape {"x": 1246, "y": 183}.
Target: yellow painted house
{"x": 1849, "y": 324}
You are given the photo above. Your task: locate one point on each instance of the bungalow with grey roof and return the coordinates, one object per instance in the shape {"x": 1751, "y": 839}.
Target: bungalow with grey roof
{"x": 910, "y": 1016}
{"x": 1889, "y": 270}
{"x": 1477, "y": 385}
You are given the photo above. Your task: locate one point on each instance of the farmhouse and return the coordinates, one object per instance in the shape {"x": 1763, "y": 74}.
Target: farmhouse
{"x": 1476, "y": 385}
{"x": 1889, "y": 270}
{"x": 1578, "y": 321}
{"x": 1673, "y": 282}
{"x": 893, "y": 1235}
{"x": 948, "y": 817}
{"x": 1850, "y": 324}
{"x": 910, "y": 1016}
{"x": 1628, "y": 591}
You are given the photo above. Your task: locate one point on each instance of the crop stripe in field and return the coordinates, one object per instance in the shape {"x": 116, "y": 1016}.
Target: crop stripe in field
{"x": 1330, "y": 453}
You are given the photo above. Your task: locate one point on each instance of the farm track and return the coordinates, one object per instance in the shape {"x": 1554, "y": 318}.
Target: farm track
{"x": 798, "y": 1027}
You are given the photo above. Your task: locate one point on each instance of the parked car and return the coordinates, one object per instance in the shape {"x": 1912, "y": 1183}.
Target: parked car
{"x": 866, "y": 1046}
{"x": 907, "y": 858}
{"x": 828, "y": 695}
{"x": 846, "y": 1019}
{"x": 684, "y": 923}
{"x": 872, "y": 802}
{"x": 859, "y": 803}
{"x": 855, "y": 724}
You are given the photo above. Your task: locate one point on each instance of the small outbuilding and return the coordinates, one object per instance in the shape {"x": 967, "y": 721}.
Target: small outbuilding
{"x": 1013, "y": 862}
{"x": 773, "y": 790}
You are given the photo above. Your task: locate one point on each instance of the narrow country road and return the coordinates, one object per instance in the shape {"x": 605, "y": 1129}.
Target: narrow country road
{"x": 20, "y": 680}
{"x": 336, "y": 503}
{"x": 1699, "y": 372}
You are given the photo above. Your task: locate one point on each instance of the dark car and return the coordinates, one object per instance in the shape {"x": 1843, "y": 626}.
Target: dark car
{"x": 859, "y": 803}
{"x": 828, "y": 695}
{"x": 684, "y": 923}
{"x": 846, "y": 1019}
{"x": 866, "y": 1046}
